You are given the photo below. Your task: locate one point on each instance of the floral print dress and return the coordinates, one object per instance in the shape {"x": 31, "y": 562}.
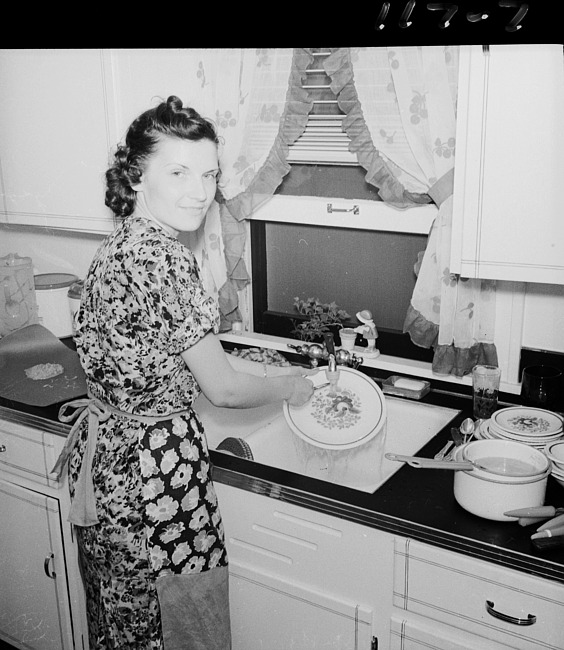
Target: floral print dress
{"x": 142, "y": 305}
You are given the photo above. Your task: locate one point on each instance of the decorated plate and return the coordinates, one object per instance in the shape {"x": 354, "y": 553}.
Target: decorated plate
{"x": 531, "y": 422}
{"x": 524, "y": 437}
{"x": 487, "y": 431}
{"x": 343, "y": 418}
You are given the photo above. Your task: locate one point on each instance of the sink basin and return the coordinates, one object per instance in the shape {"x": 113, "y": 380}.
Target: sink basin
{"x": 409, "y": 426}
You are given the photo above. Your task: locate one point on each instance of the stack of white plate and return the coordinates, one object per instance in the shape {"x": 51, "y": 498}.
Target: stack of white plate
{"x": 533, "y": 426}
{"x": 555, "y": 453}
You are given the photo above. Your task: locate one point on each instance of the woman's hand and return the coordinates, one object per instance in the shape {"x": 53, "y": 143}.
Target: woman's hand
{"x": 302, "y": 387}
{"x": 302, "y": 390}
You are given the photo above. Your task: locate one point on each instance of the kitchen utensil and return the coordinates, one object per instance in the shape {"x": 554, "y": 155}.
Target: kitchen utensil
{"x": 457, "y": 439}
{"x": 443, "y": 452}
{"x": 485, "y": 389}
{"x": 51, "y": 291}
{"x": 18, "y": 306}
{"x": 456, "y": 436}
{"x": 557, "y": 531}
{"x": 490, "y": 495}
{"x": 355, "y": 414}
{"x": 74, "y": 296}
{"x": 467, "y": 429}
{"x": 528, "y": 516}
{"x": 548, "y": 542}
{"x": 429, "y": 463}
{"x": 546, "y": 512}
{"x": 555, "y": 522}
{"x": 541, "y": 385}
{"x": 493, "y": 467}
{"x": 506, "y": 459}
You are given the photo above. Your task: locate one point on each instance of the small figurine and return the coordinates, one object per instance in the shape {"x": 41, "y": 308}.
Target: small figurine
{"x": 368, "y": 331}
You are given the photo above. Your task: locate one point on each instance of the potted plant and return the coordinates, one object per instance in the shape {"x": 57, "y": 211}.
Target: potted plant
{"x": 316, "y": 318}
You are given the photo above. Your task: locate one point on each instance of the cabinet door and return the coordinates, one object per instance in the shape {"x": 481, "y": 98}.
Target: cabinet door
{"x": 328, "y": 580}
{"x": 268, "y": 613}
{"x": 507, "y": 208}
{"x": 54, "y": 138}
{"x": 34, "y": 607}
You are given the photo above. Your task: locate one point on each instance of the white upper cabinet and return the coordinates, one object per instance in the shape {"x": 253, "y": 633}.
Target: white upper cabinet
{"x": 62, "y": 113}
{"x": 508, "y": 221}
{"x": 54, "y": 139}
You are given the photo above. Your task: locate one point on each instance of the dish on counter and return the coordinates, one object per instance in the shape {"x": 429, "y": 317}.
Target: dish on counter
{"x": 555, "y": 451}
{"x": 532, "y": 426}
{"x": 340, "y": 419}
{"x": 527, "y": 421}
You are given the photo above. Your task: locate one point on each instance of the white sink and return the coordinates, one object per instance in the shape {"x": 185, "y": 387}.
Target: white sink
{"x": 409, "y": 426}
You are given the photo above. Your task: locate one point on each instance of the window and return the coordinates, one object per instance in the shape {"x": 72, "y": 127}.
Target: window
{"x": 323, "y": 140}
{"x": 327, "y": 234}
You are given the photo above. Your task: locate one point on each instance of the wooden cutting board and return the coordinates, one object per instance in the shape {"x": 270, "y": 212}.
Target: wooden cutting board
{"x": 28, "y": 347}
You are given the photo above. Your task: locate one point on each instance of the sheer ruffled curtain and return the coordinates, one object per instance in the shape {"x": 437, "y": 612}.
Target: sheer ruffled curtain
{"x": 401, "y": 117}
{"x": 254, "y": 96}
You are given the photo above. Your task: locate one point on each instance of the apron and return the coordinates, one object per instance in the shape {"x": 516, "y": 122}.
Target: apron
{"x": 194, "y": 607}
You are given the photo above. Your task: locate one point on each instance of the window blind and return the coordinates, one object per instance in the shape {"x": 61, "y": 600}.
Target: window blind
{"x": 323, "y": 141}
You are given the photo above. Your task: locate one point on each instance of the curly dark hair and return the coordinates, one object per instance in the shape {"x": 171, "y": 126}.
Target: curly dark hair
{"x": 169, "y": 118}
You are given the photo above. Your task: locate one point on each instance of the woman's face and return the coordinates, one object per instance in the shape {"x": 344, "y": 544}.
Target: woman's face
{"x": 178, "y": 183}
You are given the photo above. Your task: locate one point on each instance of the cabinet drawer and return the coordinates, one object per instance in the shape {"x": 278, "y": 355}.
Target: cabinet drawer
{"x": 412, "y": 633}
{"x": 468, "y": 593}
{"x": 304, "y": 546}
{"x": 28, "y": 452}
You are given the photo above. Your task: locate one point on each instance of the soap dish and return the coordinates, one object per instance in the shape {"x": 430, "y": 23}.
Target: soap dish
{"x": 405, "y": 387}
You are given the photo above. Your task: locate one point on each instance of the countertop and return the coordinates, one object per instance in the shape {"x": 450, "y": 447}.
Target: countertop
{"x": 415, "y": 503}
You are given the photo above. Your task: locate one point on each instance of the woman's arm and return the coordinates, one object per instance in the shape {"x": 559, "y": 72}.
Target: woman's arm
{"x": 239, "y": 383}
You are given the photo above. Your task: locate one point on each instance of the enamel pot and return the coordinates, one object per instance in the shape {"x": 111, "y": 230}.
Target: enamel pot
{"x": 516, "y": 478}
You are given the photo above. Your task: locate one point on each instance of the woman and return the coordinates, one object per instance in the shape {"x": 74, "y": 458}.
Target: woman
{"x": 149, "y": 531}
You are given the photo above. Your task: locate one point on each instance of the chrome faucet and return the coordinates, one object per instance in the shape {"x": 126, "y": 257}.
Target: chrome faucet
{"x": 317, "y": 353}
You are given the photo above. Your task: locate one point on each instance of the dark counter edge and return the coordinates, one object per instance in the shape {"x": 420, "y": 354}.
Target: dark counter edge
{"x": 373, "y": 510}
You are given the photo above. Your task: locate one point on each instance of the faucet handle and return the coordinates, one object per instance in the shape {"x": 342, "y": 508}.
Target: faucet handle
{"x": 329, "y": 343}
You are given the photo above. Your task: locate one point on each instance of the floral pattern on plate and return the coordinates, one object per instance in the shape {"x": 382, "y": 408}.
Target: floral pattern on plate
{"x": 529, "y": 424}
{"x": 343, "y": 417}
{"x": 340, "y": 409}
{"x": 521, "y": 420}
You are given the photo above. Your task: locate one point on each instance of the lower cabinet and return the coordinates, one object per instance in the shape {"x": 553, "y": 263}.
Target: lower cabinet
{"x": 304, "y": 580}
{"x": 422, "y": 634}
{"x": 296, "y": 616}
{"x": 439, "y": 594}
{"x": 34, "y": 600}
{"x": 41, "y": 596}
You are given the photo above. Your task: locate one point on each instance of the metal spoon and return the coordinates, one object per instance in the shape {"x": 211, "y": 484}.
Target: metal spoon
{"x": 467, "y": 429}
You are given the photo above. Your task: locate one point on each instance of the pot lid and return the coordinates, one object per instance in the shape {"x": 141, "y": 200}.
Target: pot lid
{"x": 53, "y": 280}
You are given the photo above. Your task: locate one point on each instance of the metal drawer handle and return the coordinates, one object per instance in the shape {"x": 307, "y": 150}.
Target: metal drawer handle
{"x": 355, "y": 209}
{"x": 3, "y": 448}
{"x": 530, "y": 620}
{"x": 49, "y": 573}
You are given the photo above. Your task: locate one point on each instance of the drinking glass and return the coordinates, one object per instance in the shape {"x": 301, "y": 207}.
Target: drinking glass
{"x": 485, "y": 390}
{"x": 540, "y": 386}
